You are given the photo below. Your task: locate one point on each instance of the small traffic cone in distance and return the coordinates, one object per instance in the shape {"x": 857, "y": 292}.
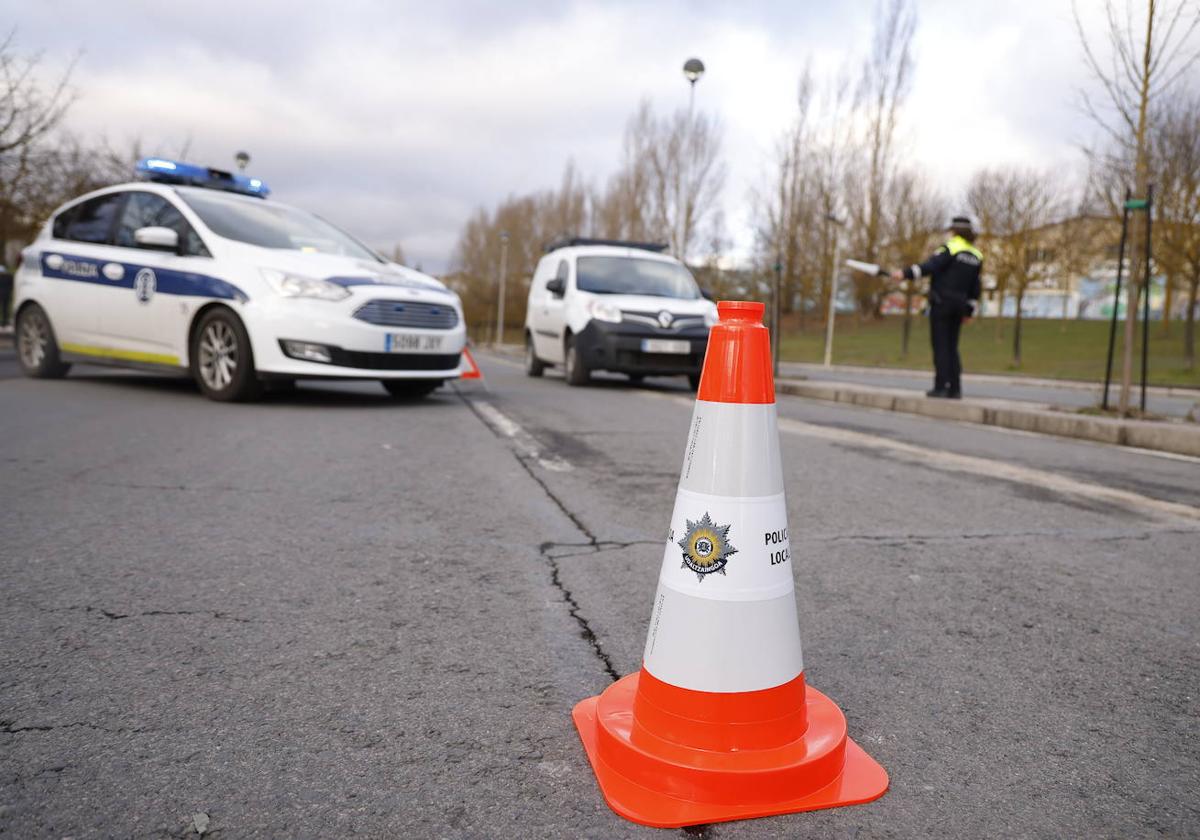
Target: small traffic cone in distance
{"x": 468, "y": 368}
{"x": 718, "y": 724}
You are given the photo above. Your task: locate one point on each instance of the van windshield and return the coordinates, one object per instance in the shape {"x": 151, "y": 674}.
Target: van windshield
{"x": 631, "y": 276}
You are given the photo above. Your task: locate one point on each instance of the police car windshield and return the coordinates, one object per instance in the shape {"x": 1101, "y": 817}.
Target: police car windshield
{"x": 631, "y": 276}
{"x": 272, "y": 225}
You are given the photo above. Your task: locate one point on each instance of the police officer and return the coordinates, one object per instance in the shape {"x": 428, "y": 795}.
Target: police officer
{"x": 954, "y": 291}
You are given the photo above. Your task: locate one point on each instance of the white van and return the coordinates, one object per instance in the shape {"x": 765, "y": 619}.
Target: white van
{"x": 597, "y": 304}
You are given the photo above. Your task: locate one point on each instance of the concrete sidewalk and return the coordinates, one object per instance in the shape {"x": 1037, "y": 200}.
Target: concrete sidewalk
{"x": 1180, "y": 437}
{"x": 1168, "y": 402}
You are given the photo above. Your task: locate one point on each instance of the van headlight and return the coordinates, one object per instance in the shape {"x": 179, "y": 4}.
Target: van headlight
{"x": 291, "y": 285}
{"x": 604, "y": 311}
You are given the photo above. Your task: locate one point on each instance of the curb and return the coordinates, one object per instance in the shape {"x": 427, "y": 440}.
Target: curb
{"x": 1164, "y": 437}
{"x": 997, "y": 378}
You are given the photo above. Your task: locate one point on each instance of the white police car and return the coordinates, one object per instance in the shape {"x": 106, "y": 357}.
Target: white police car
{"x": 194, "y": 270}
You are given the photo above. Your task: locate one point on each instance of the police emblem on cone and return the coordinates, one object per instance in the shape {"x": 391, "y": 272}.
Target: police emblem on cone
{"x": 719, "y": 724}
{"x": 706, "y": 547}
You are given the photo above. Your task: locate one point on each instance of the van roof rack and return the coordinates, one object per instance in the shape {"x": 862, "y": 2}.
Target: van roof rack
{"x": 568, "y": 241}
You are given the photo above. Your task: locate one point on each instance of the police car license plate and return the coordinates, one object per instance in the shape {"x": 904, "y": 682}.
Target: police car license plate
{"x": 401, "y": 343}
{"x": 665, "y": 345}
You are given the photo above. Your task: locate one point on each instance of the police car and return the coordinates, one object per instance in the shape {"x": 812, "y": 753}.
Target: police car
{"x": 195, "y": 270}
{"x": 627, "y": 307}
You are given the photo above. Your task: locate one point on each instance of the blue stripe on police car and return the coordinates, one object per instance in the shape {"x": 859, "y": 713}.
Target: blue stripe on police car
{"x": 125, "y": 275}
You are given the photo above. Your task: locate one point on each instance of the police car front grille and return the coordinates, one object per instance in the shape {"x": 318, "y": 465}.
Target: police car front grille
{"x": 408, "y": 313}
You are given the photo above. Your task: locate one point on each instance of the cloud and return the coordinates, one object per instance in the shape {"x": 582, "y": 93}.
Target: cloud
{"x": 396, "y": 120}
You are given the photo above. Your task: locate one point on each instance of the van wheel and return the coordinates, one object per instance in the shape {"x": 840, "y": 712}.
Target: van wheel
{"x": 37, "y": 348}
{"x": 575, "y": 369}
{"x": 533, "y": 365}
{"x": 222, "y": 361}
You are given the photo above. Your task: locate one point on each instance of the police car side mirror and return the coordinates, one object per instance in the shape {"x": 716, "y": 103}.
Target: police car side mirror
{"x": 555, "y": 286}
{"x": 157, "y": 239}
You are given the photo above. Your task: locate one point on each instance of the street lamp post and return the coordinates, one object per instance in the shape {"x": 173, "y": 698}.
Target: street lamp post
{"x": 833, "y": 286}
{"x": 693, "y": 69}
{"x": 501, "y": 287}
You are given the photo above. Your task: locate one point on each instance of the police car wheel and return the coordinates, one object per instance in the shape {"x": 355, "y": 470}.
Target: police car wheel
{"x": 576, "y": 371}
{"x": 222, "y": 362}
{"x": 533, "y": 365}
{"x": 37, "y": 349}
{"x": 410, "y": 389}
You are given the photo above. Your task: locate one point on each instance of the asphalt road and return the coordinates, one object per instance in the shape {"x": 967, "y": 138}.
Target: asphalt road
{"x": 331, "y": 615}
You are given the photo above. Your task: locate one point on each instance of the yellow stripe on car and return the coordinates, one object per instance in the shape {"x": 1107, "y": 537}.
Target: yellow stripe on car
{"x": 123, "y": 355}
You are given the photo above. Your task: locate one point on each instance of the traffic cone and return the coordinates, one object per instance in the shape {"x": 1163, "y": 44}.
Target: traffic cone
{"x": 467, "y": 367}
{"x": 718, "y": 723}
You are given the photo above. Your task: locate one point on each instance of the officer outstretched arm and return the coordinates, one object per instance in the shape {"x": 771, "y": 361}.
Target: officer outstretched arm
{"x": 940, "y": 261}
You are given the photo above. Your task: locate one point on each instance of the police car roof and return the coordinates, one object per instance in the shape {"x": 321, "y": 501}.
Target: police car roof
{"x": 166, "y": 171}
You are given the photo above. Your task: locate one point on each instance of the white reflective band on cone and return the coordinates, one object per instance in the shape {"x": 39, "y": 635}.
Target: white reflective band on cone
{"x": 732, "y": 450}
{"x": 723, "y": 646}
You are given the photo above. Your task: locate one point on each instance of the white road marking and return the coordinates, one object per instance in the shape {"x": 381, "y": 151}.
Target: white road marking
{"x": 522, "y": 440}
{"x": 953, "y": 462}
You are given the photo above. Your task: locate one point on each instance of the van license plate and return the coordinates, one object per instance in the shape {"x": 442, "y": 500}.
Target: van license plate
{"x": 401, "y": 343}
{"x": 665, "y": 345}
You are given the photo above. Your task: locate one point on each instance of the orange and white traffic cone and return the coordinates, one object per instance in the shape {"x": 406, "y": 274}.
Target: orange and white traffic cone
{"x": 718, "y": 724}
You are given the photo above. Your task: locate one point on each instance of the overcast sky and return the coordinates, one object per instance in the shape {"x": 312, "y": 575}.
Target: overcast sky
{"x": 397, "y": 119}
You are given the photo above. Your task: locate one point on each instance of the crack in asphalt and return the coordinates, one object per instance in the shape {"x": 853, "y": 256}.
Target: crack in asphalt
{"x": 593, "y": 544}
{"x": 116, "y": 616}
{"x": 7, "y": 727}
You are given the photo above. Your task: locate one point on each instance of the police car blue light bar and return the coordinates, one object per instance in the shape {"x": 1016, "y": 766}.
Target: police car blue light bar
{"x": 175, "y": 172}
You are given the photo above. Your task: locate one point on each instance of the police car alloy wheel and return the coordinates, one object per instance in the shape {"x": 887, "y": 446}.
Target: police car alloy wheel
{"x": 576, "y": 371}
{"x": 222, "y": 362}
{"x": 410, "y": 389}
{"x": 533, "y": 365}
{"x": 36, "y": 347}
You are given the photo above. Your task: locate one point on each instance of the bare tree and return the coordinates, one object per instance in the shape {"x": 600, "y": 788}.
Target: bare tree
{"x": 1016, "y": 208}
{"x": 29, "y": 112}
{"x": 917, "y": 218}
{"x": 670, "y": 181}
{"x": 884, "y": 85}
{"x": 1148, "y": 51}
{"x": 1176, "y": 156}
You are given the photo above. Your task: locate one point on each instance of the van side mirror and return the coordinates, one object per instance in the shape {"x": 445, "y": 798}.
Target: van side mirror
{"x": 157, "y": 239}
{"x": 707, "y": 294}
{"x": 556, "y": 286}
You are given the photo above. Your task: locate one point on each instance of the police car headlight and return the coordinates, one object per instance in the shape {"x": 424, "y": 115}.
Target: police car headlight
{"x": 602, "y": 311}
{"x": 295, "y": 286}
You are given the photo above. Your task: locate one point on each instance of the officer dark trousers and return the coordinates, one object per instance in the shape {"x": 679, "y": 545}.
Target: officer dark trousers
{"x": 944, "y": 328}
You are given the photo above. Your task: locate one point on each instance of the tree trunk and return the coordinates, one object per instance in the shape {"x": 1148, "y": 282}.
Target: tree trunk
{"x": 908, "y": 296}
{"x": 1189, "y": 324}
{"x": 1017, "y": 330}
{"x": 1142, "y": 172}
{"x": 1168, "y": 299}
